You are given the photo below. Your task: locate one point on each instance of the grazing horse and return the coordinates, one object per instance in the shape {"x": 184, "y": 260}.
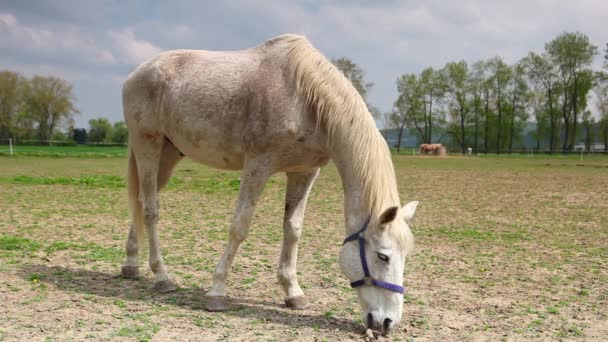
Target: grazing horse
{"x": 436, "y": 149}
{"x": 278, "y": 107}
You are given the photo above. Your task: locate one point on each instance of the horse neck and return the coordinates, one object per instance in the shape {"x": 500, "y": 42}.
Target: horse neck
{"x": 356, "y": 186}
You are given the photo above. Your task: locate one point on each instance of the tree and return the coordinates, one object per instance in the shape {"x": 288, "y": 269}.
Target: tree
{"x": 476, "y": 80}
{"x": 49, "y": 101}
{"x": 79, "y": 135}
{"x": 456, "y": 76}
{"x": 12, "y": 88}
{"x": 501, "y": 74}
{"x": 539, "y": 111}
{"x": 433, "y": 88}
{"x": 354, "y": 74}
{"x": 572, "y": 53}
{"x": 543, "y": 73}
{"x": 606, "y": 57}
{"x": 601, "y": 93}
{"x": 588, "y": 123}
{"x": 408, "y": 108}
{"x": 119, "y": 133}
{"x": 520, "y": 98}
{"x": 99, "y": 130}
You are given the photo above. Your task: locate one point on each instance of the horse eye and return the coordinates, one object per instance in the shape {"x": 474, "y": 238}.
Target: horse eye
{"x": 383, "y": 257}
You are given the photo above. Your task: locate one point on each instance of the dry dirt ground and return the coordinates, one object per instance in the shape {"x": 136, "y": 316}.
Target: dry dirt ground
{"x": 507, "y": 249}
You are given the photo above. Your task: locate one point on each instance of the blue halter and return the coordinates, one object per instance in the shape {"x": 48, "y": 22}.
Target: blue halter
{"x": 368, "y": 280}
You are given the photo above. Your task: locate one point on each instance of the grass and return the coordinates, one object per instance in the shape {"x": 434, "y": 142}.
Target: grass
{"x": 97, "y": 181}
{"x": 503, "y": 251}
{"x": 16, "y": 243}
{"x": 80, "y": 151}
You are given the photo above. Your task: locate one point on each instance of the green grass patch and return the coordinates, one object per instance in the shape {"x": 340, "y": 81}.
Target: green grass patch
{"x": 97, "y": 181}
{"x": 465, "y": 234}
{"x": 65, "y": 151}
{"x": 139, "y": 332}
{"x": 16, "y": 243}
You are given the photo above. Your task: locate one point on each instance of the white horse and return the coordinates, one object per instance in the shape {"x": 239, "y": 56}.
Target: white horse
{"x": 277, "y": 107}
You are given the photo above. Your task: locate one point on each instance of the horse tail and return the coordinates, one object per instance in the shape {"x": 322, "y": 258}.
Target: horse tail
{"x": 134, "y": 203}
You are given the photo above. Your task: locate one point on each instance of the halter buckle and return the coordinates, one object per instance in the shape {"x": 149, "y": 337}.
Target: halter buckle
{"x": 368, "y": 281}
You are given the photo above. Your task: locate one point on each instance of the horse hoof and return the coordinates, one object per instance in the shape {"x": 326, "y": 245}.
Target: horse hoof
{"x": 130, "y": 272}
{"x": 165, "y": 286}
{"x": 297, "y": 303}
{"x": 214, "y": 304}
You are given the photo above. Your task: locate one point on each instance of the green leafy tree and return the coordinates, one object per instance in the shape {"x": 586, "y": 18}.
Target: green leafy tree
{"x": 501, "y": 74}
{"x": 606, "y": 57}
{"x": 477, "y": 83}
{"x": 519, "y": 102}
{"x": 543, "y": 73}
{"x": 354, "y": 74}
{"x": 100, "y": 130}
{"x": 601, "y": 93}
{"x": 456, "y": 75}
{"x": 79, "y": 135}
{"x": 539, "y": 111}
{"x": 588, "y": 123}
{"x": 119, "y": 133}
{"x": 433, "y": 89}
{"x": 49, "y": 100}
{"x": 408, "y": 107}
{"x": 572, "y": 53}
{"x": 12, "y": 89}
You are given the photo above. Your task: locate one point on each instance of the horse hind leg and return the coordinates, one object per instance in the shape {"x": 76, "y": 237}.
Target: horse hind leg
{"x": 169, "y": 158}
{"x": 298, "y": 189}
{"x": 147, "y": 152}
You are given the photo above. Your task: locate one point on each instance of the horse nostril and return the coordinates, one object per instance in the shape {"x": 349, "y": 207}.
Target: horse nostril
{"x": 370, "y": 321}
{"x": 387, "y": 323}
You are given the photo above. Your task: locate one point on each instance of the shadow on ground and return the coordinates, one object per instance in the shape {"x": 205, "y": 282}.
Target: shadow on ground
{"x": 113, "y": 286}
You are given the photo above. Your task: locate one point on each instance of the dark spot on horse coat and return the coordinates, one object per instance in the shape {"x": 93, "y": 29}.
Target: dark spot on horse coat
{"x": 286, "y": 207}
{"x": 302, "y": 139}
{"x": 137, "y": 115}
{"x": 152, "y": 92}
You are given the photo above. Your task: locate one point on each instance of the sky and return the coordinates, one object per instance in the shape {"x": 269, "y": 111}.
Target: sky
{"x": 95, "y": 44}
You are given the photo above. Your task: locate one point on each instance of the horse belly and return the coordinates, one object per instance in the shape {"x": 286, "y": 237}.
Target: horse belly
{"x": 211, "y": 149}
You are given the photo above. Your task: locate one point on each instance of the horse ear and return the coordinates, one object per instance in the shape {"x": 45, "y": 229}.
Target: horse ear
{"x": 409, "y": 210}
{"x": 388, "y": 215}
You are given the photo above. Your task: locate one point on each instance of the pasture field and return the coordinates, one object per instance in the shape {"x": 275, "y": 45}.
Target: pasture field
{"x": 507, "y": 249}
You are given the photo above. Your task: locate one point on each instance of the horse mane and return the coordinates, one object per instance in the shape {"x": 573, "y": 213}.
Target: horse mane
{"x": 342, "y": 113}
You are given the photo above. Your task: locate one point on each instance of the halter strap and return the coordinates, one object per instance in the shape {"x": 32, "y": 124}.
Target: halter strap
{"x": 368, "y": 280}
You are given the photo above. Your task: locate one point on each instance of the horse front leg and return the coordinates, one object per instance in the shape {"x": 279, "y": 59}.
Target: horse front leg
{"x": 298, "y": 189}
{"x": 130, "y": 269}
{"x": 253, "y": 179}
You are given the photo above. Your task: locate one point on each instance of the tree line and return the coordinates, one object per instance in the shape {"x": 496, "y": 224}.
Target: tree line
{"x": 487, "y": 105}
{"x": 42, "y": 108}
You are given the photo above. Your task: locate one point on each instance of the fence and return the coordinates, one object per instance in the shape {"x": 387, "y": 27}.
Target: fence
{"x": 527, "y": 153}
{"x": 28, "y": 147}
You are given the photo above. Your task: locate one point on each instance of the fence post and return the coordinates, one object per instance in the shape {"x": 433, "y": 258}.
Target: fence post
{"x": 582, "y": 154}
{"x": 10, "y": 146}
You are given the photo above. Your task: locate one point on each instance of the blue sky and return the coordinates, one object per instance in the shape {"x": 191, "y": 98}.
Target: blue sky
{"x": 95, "y": 44}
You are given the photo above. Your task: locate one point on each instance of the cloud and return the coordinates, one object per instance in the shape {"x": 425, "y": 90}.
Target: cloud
{"x": 386, "y": 38}
{"x": 47, "y": 43}
{"x": 131, "y": 50}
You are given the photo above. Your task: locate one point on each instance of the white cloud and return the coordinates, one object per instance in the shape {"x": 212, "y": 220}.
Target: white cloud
{"x": 133, "y": 51}
{"x": 37, "y": 42}
{"x": 387, "y": 38}
{"x": 8, "y": 20}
